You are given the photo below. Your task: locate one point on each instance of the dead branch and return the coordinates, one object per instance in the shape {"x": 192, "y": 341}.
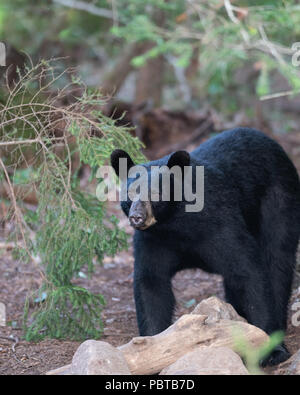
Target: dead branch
{"x": 149, "y": 355}
{"x": 88, "y": 7}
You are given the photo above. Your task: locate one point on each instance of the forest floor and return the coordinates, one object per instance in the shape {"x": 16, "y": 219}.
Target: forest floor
{"x": 114, "y": 280}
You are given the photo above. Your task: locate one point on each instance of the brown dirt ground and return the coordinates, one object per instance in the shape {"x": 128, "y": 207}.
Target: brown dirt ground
{"x": 114, "y": 281}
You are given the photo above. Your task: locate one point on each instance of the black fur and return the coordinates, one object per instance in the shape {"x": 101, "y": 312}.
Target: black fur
{"x": 248, "y": 232}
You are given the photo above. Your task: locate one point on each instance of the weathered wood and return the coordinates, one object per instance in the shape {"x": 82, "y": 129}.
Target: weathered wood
{"x": 150, "y": 354}
{"x": 213, "y": 323}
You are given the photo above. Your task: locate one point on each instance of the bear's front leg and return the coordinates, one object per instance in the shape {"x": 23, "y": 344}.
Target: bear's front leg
{"x": 153, "y": 269}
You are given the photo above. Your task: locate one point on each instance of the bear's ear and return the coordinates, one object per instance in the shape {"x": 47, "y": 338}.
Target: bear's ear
{"x": 179, "y": 158}
{"x": 116, "y": 156}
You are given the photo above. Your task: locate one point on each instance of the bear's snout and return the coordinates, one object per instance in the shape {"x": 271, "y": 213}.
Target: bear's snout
{"x": 137, "y": 214}
{"x": 141, "y": 216}
{"x": 137, "y": 220}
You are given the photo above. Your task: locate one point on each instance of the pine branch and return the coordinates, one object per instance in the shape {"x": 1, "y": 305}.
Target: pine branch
{"x": 70, "y": 225}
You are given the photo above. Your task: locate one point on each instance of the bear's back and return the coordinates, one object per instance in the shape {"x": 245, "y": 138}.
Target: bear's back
{"x": 239, "y": 143}
{"x": 245, "y": 153}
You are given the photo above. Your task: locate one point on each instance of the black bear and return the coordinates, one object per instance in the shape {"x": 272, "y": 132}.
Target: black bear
{"x": 247, "y": 231}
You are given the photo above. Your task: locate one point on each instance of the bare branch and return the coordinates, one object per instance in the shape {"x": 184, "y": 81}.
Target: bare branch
{"x": 90, "y": 8}
{"x": 270, "y": 45}
{"x": 229, "y": 10}
{"x": 235, "y": 20}
{"x": 279, "y": 94}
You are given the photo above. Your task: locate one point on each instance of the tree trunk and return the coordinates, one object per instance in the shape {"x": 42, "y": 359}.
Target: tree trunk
{"x": 114, "y": 80}
{"x": 150, "y": 77}
{"x": 149, "y": 83}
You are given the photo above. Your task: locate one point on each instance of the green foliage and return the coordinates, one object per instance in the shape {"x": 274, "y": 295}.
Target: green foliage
{"x": 263, "y": 83}
{"x": 254, "y": 33}
{"x": 260, "y": 32}
{"x": 253, "y": 356}
{"x": 70, "y": 229}
{"x": 68, "y": 312}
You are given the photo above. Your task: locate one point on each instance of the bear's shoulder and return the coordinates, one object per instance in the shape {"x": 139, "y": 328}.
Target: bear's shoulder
{"x": 233, "y": 144}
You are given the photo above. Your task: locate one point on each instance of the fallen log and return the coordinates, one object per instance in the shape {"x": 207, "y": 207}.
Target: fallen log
{"x": 151, "y": 354}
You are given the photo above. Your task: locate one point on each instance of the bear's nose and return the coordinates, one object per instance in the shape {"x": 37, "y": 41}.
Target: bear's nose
{"x": 137, "y": 220}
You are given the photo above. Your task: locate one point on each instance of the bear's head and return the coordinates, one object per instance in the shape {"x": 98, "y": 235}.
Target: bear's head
{"x": 144, "y": 201}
